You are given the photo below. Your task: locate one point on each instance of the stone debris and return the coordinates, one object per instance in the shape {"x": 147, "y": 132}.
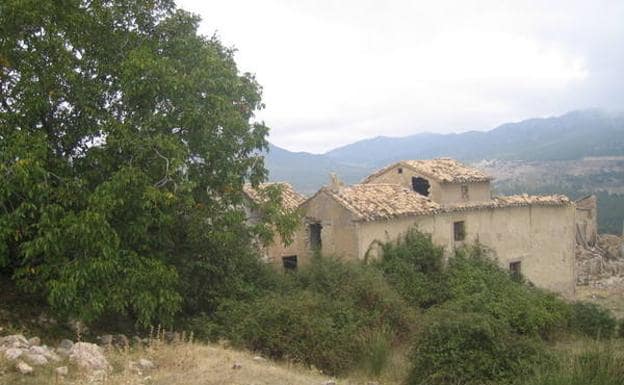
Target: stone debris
{"x": 14, "y": 341}
{"x": 601, "y": 265}
{"x": 35, "y": 341}
{"x": 89, "y": 356}
{"x": 66, "y": 344}
{"x": 146, "y": 364}
{"x": 23, "y": 367}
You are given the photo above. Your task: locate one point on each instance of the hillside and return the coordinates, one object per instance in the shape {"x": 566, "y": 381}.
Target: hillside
{"x": 578, "y": 134}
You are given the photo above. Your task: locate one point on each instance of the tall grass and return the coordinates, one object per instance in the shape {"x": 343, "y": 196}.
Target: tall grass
{"x": 599, "y": 364}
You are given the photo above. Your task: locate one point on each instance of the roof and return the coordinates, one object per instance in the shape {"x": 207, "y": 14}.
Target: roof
{"x": 523, "y": 200}
{"x": 290, "y": 198}
{"x": 443, "y": 170}
{"x": 372, "y": 202}
{"x": 369, "y": 202}
{"x": 587, "y": 203}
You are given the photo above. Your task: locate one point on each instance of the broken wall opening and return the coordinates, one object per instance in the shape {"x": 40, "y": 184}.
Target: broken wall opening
{"x": 421, "y": 185}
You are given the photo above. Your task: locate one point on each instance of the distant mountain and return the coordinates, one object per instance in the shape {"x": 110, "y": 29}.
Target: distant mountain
{"x": 572, "y": 136}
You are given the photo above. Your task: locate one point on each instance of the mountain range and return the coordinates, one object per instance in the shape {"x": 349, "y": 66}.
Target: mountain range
{"x": 575, "y": 135}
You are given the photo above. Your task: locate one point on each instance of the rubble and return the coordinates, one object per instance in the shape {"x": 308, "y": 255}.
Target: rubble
{"x": 601, "y": 265}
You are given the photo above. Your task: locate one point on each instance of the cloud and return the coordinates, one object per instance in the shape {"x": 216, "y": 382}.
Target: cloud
{"x": 338, "y": 71}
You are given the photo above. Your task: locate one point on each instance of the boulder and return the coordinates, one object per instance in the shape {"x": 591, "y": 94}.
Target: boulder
{"x": 106, "y": 340}
{"x": 23, "y": 367}
{"x": 66, "y": 344}
{"x": 35, "y": 359}
{"x": 35, "y": 341}
{"x": 61, "y": 371}
{"x": 14, "y": 341}
{"x": 121, "y": 341}
{"x": 89, "y": 356}
{"x": 145, "y": 364}
{"x": 13, "y": 353}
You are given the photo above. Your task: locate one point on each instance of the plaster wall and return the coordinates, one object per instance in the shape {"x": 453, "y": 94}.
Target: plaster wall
{"x": 541, "y": 238}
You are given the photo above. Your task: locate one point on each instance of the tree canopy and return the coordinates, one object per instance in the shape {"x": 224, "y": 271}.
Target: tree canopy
{"x": 125, "y": 140}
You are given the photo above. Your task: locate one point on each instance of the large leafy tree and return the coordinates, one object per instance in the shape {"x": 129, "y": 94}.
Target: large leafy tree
{"x": 125, "y": 139}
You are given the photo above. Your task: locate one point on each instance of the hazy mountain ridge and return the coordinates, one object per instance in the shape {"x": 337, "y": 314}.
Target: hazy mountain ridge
{"x": 575, "y": 135}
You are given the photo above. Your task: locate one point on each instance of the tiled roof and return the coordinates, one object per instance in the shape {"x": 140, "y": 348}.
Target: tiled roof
{"x": 290, "y": 198}
{"x": 369, "y": 202}
{"x": 511, "y": 201}
{"x": 443, "y": 170}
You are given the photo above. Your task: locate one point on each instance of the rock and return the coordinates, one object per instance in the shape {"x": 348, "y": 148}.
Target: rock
{"x": 330, "y": 382}
{"x": 89, "y": 356}
{"x": 24, "y": 368}
{"x": 237, "y": 366}
{"x": 35, "y": 341}
{"x": 13, "y": 353}
{"x": 171, "y": 337}
{"x": 61, "y": 371}
{"x": 63, "y": 352}
{"x": 145, "y": 364}
{"x": 35, "y": 359}
{"x": 14, "y": 341}
{"x": 120, "y": 341}
{"x": 106, "y": 340}
{"x": 46, "y": 352}
{"x": 259, "y": 359}
{"x": 66, "y": 344}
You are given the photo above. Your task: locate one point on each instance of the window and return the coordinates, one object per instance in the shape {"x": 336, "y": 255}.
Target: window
{"x": 290, "y": 262}
{"x": 464, "y": 192}
{"x": 420, "y": 185}
{"x": 515, "y": 268}
{"x": 400, "y": 170}
{"x": 315, "y": 236}
{"x": 459, "y": 231}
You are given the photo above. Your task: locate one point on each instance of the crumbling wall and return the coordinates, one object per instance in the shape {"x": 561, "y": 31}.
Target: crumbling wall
{"x": 587, "y": 221}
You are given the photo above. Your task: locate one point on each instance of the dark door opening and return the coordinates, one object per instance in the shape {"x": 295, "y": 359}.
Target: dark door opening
{"x": 420, "y": 185}
{"x": 515, "y": 268}
{"x": 290, "y": 262}
{"x": 315, "y": 236}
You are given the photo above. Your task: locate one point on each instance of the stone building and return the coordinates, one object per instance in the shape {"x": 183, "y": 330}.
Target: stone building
{"x": 587, "y": 221}
{"x": 533, "y": 235}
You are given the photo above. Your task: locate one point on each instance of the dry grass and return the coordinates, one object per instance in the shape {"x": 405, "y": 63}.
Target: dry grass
{"x": 180, "y": 364}
{"x": 611, "y": 298}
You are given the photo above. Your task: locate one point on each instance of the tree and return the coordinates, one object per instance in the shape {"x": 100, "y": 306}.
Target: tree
{"x": 125, "y": 139}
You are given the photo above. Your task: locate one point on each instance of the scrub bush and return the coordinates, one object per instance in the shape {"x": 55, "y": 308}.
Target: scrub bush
{"x": 592, "y": 320}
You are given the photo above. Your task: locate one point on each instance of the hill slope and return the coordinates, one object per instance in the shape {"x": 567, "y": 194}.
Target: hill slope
{"x": 572, "y": 136}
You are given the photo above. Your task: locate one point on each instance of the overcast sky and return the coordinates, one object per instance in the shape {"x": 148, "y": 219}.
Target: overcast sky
{"x": 337, "y": 71}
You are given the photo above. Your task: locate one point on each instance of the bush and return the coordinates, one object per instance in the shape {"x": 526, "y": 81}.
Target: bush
{"x": 471, "y": 348}
{"x": 621, "y": 328}
{"x": 592, "y": 320}
{"x": 330, "y": 314}
{"x": 414, "y": 266}
{"x": 477, "y": 284}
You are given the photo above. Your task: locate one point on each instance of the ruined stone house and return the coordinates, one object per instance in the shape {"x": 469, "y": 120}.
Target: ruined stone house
{"x": 532, "y": 235}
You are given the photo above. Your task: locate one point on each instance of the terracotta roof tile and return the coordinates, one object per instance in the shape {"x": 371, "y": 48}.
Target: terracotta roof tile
{"x": 371, "y": 202}
{"x": 443, "y": 170}
{"x": 290, "y": 198}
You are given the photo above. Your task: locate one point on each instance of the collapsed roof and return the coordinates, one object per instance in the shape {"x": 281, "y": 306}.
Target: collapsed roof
{"x": 443, "y": 170}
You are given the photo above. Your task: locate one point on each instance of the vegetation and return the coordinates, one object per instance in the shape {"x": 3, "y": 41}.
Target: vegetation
{"x": 125, "y": 139}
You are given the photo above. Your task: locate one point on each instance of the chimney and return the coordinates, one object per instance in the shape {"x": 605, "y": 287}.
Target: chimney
{"x": 334, "y": 183}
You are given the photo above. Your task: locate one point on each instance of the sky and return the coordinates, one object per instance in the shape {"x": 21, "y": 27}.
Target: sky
{"x": 337, "y": 71}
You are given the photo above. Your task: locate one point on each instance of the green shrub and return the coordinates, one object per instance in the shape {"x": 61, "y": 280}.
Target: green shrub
{"x": 621, "y": 328}
{"x": 477, "y": 284}
{"x": 414, "y": 266}
{"x": 330, "y": 314}
{"x": 592, "y": 320}
{"x": 471, "y": 348}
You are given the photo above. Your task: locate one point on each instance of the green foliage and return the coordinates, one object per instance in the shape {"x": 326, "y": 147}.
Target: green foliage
{"x": 621, "y": 328}
{"x": 592, "y": 320}
{"x": 125, "y": 140}
{"x": 328, "y": 314}
{"x": 471, "y": 348}
{"x": 601, "y": 365}
{"x": 477, "y": 284}
{"x": 414, "y": 266}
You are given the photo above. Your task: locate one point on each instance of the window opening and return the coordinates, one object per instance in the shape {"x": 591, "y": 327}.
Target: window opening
{"x": 459, "y": 231}
{"x": 515, "y": 268}
{"x": 315, "y": 236}
{"x": 289, "y": 262}
{"x": 421, "y": 185}
{"x": 400, "y": 170}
